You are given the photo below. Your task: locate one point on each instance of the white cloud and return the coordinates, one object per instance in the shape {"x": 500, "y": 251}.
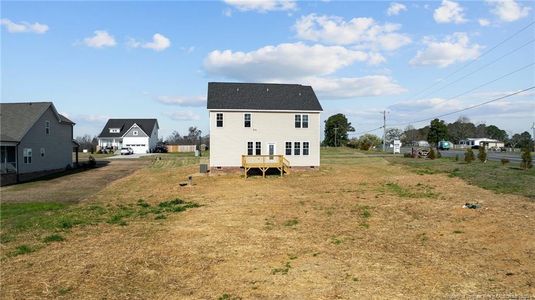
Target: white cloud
{"x": 363, "y": 32}
{"x": 24, "y": 27}
{"x": 350, "y": 87}
{"x": 90, "y": 118}
{"x": 159, "y": 43}
{"x": 449, "y": 12}
{"x": 262, "y": 5}
{"x": 508, "y": 10}
{"x": 454, "y": 48}
{"x": 182, "y": 101}
{"x": 284, "y": 61}
{"x": 101, "y": 39}
{"x": 483, "y": 22}
{"x": 395, "y": 8}
{"x": 183, "y": 115}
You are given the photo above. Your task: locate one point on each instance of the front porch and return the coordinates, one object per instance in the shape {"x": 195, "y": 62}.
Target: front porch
{"x": 265, "y": 162}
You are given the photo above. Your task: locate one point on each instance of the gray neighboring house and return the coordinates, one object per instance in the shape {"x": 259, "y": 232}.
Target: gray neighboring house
{"x": 34, "y": 140}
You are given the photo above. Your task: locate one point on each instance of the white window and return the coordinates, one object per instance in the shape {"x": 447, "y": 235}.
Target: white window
{"x": 305, "y": 121}
{"x": 258, "y": 148}
{"x": 219, "y": 120}
{"x": 297, "y": 148}
{"x": 135, "y": 132}
{"x": 247, "y": 120}
{"x": 305, "y": 148}
{"x": 249, "y": 148}
{"x": 288, "y": 148}
{"x": 297, "y": 121}
{"x": 47, "y": 127}
{"x": 42, "y": 152}
{"x": 27, "y": 153}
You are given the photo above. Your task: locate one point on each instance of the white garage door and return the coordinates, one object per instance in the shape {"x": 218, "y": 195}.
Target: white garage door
{"x": 138, "y": 148}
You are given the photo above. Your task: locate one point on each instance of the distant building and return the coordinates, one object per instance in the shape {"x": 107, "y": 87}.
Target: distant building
{"x": 139, "y": 134}
{"x": 34, "y": 140}
{"x": 262, "y": 123}
{"x": 480, "y": 142}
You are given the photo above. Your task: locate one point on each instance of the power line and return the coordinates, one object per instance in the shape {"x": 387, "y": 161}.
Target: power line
{"x": 367, "y": 131}
{"x": 472, "y": 61}
{"x": 481, "y": 68}
{"x": 467, "y": 108}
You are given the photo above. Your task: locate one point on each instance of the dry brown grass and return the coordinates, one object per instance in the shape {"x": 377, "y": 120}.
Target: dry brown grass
{"x": 243, "y": 242}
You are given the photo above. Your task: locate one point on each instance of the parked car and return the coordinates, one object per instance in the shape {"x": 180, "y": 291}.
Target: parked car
{"x": 126, "y": 151}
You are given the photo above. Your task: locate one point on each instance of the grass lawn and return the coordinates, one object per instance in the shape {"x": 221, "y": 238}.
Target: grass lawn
{"x": 360, "y": 227}
{"x": 492, "y": 175}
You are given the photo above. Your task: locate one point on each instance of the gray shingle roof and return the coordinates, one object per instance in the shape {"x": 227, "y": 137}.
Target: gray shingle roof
{"x": 147, "y": 125}
{"x": 262, "y": 96}
{"x": 18, "y": 118}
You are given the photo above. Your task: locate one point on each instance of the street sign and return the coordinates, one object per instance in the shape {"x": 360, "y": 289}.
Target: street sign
{"x": 397, "y": 146}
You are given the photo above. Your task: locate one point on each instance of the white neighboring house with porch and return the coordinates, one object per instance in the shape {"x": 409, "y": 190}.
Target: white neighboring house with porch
{"x": 35, "y": 140}
{"x": 139, "y": 134}
{"x": 256, "y": 121}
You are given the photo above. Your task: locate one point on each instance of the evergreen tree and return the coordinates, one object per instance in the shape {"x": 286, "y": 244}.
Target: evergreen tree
{"x": 469, "y": 155}
{"x": 526, "y": 159}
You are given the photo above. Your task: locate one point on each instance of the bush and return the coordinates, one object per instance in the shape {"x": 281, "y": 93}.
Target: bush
{"x": 469, "y": 155}
{"x": 439, "y": 155}
{"x": 432, "y": 154}
{"x": 482, "y": 155}
{"x": 526, "y": 159}
{"x": 504, "y": 161}
{"x": 407, "y": 154}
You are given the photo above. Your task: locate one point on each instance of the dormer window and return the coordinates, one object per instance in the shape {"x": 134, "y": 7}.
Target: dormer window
{"x": 47, "y": 127}
{"x": 115, "y": 130}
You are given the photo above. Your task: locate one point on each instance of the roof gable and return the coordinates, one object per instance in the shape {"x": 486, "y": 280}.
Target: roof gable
{"x": 147, "y": 125}
{"x": 262, "y": 96}
{"x": 18, "y": 118}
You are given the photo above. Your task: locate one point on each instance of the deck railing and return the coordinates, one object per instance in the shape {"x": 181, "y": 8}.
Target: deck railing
{"x": 264, "y": 162}
{"x": 8, "y": 167}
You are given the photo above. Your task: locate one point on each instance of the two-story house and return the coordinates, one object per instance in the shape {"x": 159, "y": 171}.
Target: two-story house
{"x": 139, "y": 134}
{"x": 34, "y": 140}
{"x": 263, "y": 120}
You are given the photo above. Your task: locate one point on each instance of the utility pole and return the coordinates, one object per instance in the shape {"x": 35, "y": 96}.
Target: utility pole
{"x": 533, "y": 135}
{"x": 384, "y": 130}
{"x": 335, "y": 134}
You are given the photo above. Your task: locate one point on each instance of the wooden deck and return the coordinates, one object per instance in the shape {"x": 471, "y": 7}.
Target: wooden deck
{"x": 265, "y": 162}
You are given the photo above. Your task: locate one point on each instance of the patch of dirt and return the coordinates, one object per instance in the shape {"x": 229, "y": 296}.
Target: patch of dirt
{"x": 304, "y": 236}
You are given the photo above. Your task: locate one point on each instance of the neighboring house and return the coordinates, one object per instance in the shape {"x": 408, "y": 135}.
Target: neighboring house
{"x": 139, "y": 134}
{"x": 477, "y": 142}
{"x": 252, "y": 119}
{"x": 34, "y": 140}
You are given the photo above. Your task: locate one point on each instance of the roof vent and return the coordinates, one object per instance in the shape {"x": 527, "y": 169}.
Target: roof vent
{"x": 237, "y": 89}
{"x": 267, "y": 89}
{"x": 299, "y": 93}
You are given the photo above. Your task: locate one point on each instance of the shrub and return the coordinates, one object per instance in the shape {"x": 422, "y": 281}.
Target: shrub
{"x": 432, "y": 154}
{"x": 504, "y": 161}
{"x": 407, "y": 154}
{"x": 482, "y": 155}
{"x": 439, "y": 155}
{"x": 469, "y": 155}
{"x": 526, "y": 159}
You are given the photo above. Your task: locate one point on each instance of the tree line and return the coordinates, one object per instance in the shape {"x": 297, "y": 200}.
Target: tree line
{"x": 337, "y": 129}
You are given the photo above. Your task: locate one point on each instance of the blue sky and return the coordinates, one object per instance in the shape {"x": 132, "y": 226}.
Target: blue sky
{"x": 97, "y": 60}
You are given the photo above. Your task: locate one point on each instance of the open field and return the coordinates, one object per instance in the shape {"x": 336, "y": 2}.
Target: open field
{"x": 360, "y": 227}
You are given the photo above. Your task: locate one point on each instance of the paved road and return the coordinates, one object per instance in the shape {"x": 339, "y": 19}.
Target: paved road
{"x": 512, "y": 156}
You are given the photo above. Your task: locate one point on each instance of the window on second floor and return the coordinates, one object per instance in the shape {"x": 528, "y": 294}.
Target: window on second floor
{"x": 219, "y": 120}
{"x": 297, "y": 121}
{"x": 47, "y": 127}
{"x": 305, "y": 121}
{"x": 114, "y": 130}
{"x": 247, "y": 120}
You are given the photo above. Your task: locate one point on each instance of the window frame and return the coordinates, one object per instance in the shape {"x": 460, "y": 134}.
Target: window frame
{"x": 250, "y": 149}
{"x": 303, "y": 123}
{"x": 218, "y": 122}
{"x": 297, "y": 148}
{"x": 47, "y": 127}
{"x": 27, "y": 155}
{"x": 258, "y": 148}
{"x": 288, "y": 148}
{"x": 247, "y": 123}
{"x": 42, "y": 152}
{"x": 307, "y": 148}
{"x": 297, "y": 121}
